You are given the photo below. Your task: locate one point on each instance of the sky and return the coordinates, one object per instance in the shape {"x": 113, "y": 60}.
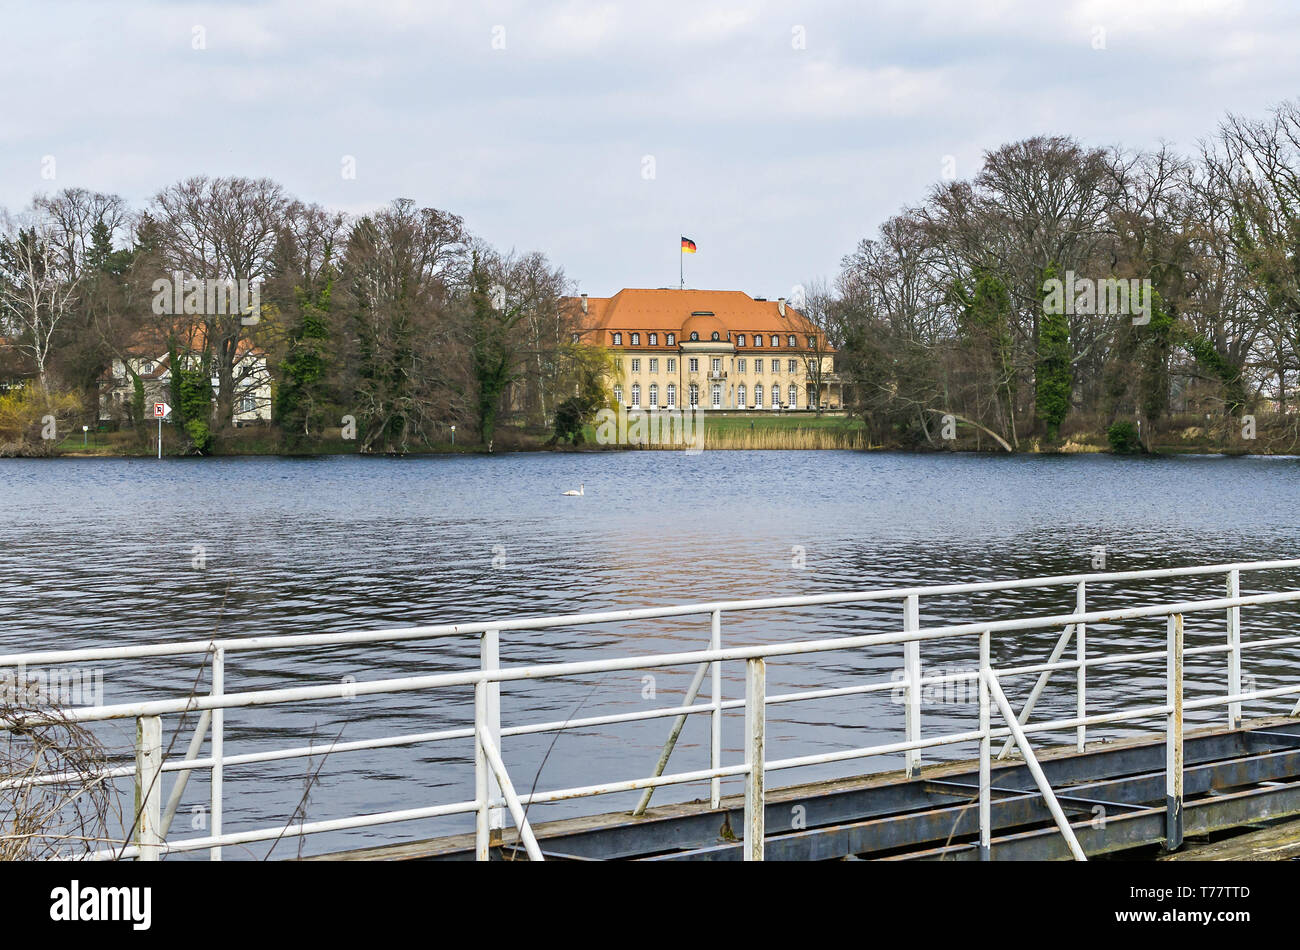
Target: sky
{"x": 775, "y": 135}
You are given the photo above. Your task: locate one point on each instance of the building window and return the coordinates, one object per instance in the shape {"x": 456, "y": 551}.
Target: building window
{"x": 636, "y": 339}
{"x": 776, "y": 366}
{"x": 247, "y": 404}
{"x": 672, "y": 395}
{"x": 694, "y": 364}
{"x": 812, "y": 342}
{"x": 695, "y": 395}
{"x": 654, "y": 364}
{"x": 792, "y": 366}
{"x": 740, "y": 365}
{"x": 758, "y": 397}
{"x": 740, "y": 339}
{"x": 758, "y": 366}
{"x": 636, "y": 395}
{"x": 654, "y": 339}
{"x": 618, "y": 339}
{"x": 776, "y": 340}
{"x": 715, "y": 336}
{"x": 654, "y": 395}
{"x": 672, "y": 338}
{"x": 618, "y": 395}
{"x": 789, "y": 341}
{"x": 672, "y": 365}
{"x": 717, "y": 396}
{"x": 740, "y": 396}
{"x": 794, "y": 396}
{"x": 776, "y": 396}
{"x": 717, "y": 364}
{"x": 636, "y": 366}
{"x": 694, "y": 335}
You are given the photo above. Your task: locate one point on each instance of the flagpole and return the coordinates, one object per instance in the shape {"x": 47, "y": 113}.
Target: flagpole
{"x": 681, "y": 264}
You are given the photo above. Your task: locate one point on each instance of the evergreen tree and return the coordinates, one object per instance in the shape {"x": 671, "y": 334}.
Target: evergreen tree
{"x": 1052, "y": 380}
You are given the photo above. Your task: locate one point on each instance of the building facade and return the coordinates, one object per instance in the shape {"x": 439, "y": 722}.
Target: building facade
{"x": 711, "y": 349}
{"x": 252, "y": 403}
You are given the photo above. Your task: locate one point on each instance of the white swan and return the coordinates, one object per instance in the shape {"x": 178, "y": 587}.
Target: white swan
{"x": 582, "y": 488}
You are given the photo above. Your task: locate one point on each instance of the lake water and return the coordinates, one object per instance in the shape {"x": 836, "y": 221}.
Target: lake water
{"x": 106, "y": 551}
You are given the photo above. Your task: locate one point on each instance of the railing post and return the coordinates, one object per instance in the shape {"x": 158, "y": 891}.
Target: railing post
{"x": 490, "y": 655}
{"x": 218, "y": 744}
{"x": 755, "y": 727}
{"x": 715, "y": 717}
{"x": 1081, "y": 653}
{"x": 912, "y": 669}
{"x": 986, "y": 753}
{"x": 1174, "y": 736}
{"x": 1234, "y": 650}
{"x": 482, "y": 796}
{"x": 148, "y": 786}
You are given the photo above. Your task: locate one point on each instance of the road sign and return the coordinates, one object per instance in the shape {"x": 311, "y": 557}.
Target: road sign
{"x": 162, "y": 410}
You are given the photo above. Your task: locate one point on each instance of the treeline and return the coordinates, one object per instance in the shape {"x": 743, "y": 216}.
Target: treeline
{"x": 945, "y": 314}
{"x": 388, "y": 328}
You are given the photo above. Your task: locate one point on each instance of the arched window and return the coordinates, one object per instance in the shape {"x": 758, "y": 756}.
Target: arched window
{"x": 740, "y": 340}
{"x": 812, "y": 342}
{"x": 654, "y": 339}
{"x": 758, "y": 397}
{"x": 695, "y": 395}
{"x": 672, "y": 395}
{"x": 618, "y": 395}
{"x": 758, "y": 340}
{"x": 636, "y": 339}
{"x": 740, "y": 396}
{"x": 776, "y": 340}
{"x": 789, "y": 341}
{"x": 654, "y": 395}
{"x": 776, "y": 396}
{"x": 618, "y": 339}
{"x": 636, "y": 395}
{"x": 715, "y": 336}
{"x": 694, "y": 335}
{"x": 794, "y": 396}
{"x": 672, "y": 338}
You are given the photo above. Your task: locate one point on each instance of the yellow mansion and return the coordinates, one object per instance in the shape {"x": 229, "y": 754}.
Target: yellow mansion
{"x": 713, "y": 349}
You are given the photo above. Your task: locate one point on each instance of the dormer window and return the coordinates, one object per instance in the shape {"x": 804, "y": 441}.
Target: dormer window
{"x": 758, "y": 340}
{"x": 654, "y": 339}
{"x": 740, "y": 340}
{"x": 618, "y": 339}
{"x": 789, "y": 341}
{"x": 636, "y": 339}
{"x": 694, "y": 335}
{"x": 716, "y": 337}
{"x": 812, "y": 342}
{"x": 776, "y": 340}
{"x": 672, "y": 338}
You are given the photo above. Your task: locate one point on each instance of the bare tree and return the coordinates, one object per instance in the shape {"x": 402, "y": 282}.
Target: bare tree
{"x": 38, "y": 288}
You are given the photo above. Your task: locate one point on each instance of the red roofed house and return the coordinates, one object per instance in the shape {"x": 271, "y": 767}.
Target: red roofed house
{"x": 715, "y": 349}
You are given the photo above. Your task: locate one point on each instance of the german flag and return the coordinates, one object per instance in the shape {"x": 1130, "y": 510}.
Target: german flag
{"x": 688, "y": 246}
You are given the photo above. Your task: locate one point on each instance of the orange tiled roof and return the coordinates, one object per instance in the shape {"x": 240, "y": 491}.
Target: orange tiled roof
{"x": 732, "y": 312}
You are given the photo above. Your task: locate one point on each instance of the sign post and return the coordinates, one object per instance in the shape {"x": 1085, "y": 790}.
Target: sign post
{"x": 161, "y": 411}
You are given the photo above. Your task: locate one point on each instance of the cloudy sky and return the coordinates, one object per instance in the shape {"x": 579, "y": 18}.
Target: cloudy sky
{"x": 776, "y": 135}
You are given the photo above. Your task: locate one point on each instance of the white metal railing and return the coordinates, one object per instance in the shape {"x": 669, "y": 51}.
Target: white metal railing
{"x": 495, "y": 794}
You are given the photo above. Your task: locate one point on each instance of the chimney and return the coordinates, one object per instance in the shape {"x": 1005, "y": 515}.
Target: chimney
{"x": 780, "y": 305}
{"x": 584, "y": 303}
